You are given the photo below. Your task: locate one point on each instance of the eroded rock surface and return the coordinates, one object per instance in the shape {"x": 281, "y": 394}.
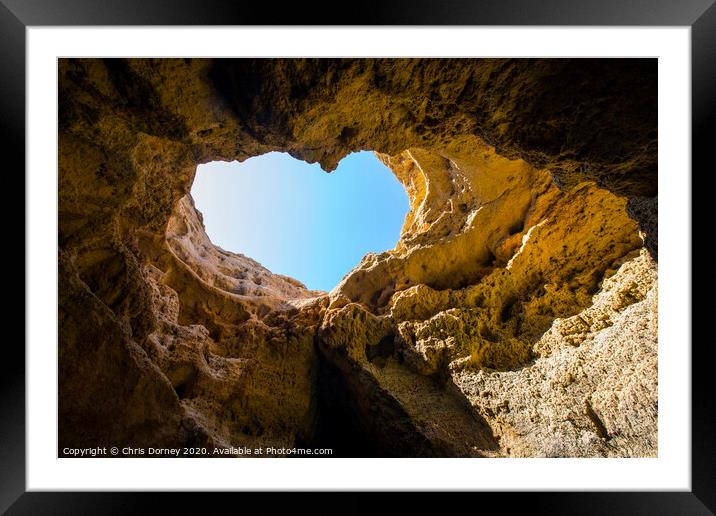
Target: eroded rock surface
{"x": 516, "y": 316}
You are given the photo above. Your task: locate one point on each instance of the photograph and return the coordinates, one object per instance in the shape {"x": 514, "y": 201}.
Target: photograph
{"x": 358, "y": 257}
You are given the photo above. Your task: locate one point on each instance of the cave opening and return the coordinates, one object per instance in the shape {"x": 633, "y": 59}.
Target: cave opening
{"x": 297, "y": 220}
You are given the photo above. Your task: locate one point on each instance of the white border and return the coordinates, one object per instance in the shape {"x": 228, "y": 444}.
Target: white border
{"x": 672, "y": 468}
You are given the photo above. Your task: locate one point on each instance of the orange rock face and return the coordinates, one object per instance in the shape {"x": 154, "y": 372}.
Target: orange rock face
{"x": 515, "y": 317}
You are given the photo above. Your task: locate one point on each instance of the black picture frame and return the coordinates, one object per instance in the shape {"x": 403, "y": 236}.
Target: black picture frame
{"x": 700, "y": 15}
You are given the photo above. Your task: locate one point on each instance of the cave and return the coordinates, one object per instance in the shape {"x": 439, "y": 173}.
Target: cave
{"x": 515, "y": 317}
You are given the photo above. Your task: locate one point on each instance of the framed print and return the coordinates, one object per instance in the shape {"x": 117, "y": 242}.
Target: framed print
{"x": 418, "y": 250}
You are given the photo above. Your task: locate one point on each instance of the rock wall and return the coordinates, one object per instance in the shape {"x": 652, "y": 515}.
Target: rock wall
{"x": 515, "y": 317}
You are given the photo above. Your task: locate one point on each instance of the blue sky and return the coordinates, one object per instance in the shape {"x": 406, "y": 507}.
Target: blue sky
{"x": 297, "y": 220}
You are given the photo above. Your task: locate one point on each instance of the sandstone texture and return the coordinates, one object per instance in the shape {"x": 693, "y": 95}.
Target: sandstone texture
{"x": 517, "y": 316}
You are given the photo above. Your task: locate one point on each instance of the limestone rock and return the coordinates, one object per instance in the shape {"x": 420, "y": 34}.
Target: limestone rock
{"x": 515, "y": 317}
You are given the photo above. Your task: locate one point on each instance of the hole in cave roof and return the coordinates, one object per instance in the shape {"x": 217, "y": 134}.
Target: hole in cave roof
{"x": 297, "y": 220}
